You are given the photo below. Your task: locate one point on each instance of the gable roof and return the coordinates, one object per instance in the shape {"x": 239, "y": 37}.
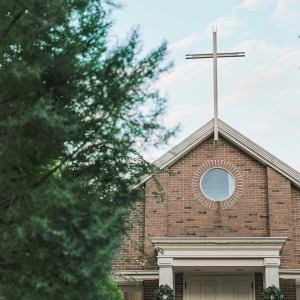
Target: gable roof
{"x": 235, "y": 137}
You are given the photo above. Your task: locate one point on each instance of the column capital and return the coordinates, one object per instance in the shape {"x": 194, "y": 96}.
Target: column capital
{"x": 272, "y": 271}
{"x": 165, "y": 270}
{"x": 165, "y": 262}
{"x": 272, "y": 262}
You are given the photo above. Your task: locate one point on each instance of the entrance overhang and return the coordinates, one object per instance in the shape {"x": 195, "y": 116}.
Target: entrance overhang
{"x": 177, "y": 252}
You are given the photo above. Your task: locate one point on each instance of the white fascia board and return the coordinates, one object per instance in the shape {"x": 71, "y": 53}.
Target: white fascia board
{"x": 239, "y": 247}
{"x": 134, "y": 276}
{"x": 235, "y": 137}
{"x": 218, "y": 240}
{"x": 227, "y": 262}
{"x": 289, "y": 273}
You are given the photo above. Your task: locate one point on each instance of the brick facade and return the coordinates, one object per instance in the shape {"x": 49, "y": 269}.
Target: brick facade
{"x": 179, "y": 286}
{"x": 288, "y": 288}
{"x": 269, "y": 206}
{"x": 149, "y": 289}
{"x": 259, "y": 285}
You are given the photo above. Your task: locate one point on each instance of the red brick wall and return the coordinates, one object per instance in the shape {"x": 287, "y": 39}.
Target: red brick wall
{"x": 265, "y": 192}
{"x": 186, "y": 217}
{"x": 149, "y": 289}
{"x": 259, "y": 286}
{"x": 288, "y": 288}
{"x": 131, "y": 257}
{"x": 280, "y": 213}
{"x": 157, "y": 213}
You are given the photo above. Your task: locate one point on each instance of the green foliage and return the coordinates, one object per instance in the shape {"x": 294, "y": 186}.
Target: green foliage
{"x": 109, "y": 290}
{"x": 272, "y": 293}
{"x": 164, "y": 292}
{"x": 75, "y": 110}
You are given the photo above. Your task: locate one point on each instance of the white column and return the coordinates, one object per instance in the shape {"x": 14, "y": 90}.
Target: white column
{"x": 165, "y": 271}
{"x": 272, "y": 271}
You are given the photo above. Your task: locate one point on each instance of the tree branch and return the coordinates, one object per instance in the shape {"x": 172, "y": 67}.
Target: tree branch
{"x": 60, "y": 165}
{"x": 17, "y": 17}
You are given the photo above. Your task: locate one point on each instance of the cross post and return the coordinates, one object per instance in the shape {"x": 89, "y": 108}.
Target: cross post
{"x": 214, "y": 56}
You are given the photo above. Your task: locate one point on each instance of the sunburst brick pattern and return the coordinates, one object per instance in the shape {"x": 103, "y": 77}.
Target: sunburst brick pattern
{"x": 223, "y": 164}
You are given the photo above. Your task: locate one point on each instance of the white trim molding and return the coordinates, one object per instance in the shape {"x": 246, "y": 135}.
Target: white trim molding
{"x": 234, "y": 137}
{"x": 289, "y": 273}
{"x": 223, "y": 247}
{"x": 165, "y": 265}
{"x": 210, "y": 252}
{"x": 134, "y": 276}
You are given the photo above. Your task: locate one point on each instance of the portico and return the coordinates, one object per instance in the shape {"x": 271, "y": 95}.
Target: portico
{"x": 215, "y": 256}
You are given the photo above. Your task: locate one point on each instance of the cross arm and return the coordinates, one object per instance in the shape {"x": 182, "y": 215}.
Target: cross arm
{"x": 219, "y": 55}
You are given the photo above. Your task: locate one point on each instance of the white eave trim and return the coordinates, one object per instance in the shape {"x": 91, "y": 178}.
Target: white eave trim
{"x": 237, "y": 139}
{"x": 259, "y": 153}
{"x": 289, "y": 273}
{"x": 231, "y": 247}
{"x": 133, "y": 276}
{"x": 217, "y": 240}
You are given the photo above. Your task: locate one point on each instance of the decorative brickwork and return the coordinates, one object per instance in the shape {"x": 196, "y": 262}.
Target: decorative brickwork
{"x": 149, "y": 289}
{"x": 288, "y": 288}
{"x": 183, "y": 215}
{"x": 259, "y": 286}
{"x": 223, "y": 165}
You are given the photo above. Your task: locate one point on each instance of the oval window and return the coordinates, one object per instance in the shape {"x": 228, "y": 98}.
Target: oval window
{"x": 217, "y": 184}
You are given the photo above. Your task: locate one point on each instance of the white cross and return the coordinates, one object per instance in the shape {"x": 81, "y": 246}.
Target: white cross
{"x": 215, "y": 55}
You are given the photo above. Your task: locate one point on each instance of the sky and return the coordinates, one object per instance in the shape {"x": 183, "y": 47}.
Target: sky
{"x": 259, "y": 94}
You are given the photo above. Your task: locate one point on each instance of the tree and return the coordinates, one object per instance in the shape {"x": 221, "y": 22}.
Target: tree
{"x": 75, "y": 110}
{"x": 109, "y": 290}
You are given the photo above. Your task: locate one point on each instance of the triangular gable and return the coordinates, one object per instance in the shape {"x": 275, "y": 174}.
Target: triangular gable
{"x": 234, "y": 137}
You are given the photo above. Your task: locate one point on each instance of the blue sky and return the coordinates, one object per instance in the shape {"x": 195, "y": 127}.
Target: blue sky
{"x": 259, "y": 95}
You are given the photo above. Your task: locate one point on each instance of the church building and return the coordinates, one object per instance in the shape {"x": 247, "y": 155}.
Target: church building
{"x": 228, "y": 228}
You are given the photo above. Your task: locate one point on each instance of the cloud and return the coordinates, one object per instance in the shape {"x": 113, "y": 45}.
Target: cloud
{"x": 251, "y": 87}
{"x": 254, "y": 5}
{"x": 184, "y": 72}
{"x": 257, "y": 129}
{"x": 182, "y": 111}
{"x": 266, "y": 68}
{"x": 290, "y": 58}
{"x": 185, "y": 42}
{"x": 227, "y": 26}
{"x": 287, "y": 13}
{"x": 291, "y": 92}
{"x": 290, "y": 114}
{"x": 265, "y": 63}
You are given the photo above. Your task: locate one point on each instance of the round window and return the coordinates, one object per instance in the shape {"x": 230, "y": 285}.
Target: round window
{"x": 217, "y": 184}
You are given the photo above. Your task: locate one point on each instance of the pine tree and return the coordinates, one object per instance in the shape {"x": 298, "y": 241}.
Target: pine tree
{"x": 74, "y": 112}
